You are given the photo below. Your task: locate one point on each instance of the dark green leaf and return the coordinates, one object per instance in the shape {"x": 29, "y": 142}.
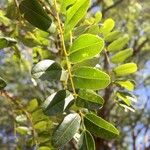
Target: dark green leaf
{"x": 90, "y": 78}
{"x": 86, "y": 141}
{"x": 57, "y": 102}
{"x": 89, "y": 99}
{"x": 6, "y": 42}
{"x": 75, "y": 14}
{"x": 33, "y": 12}
{"x": 47, "y": 70}
{"x": 100, "y": 127}
{"x": 125, "y": 69}
{"x": 85, "y": 47}
{"x": 66, "y": 130}
{"x": 2, "y": 83}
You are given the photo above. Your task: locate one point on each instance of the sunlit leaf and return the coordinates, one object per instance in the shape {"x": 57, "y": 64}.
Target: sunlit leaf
{"x": 122, "y": 55}
{"x": 118, "y": 44}
{"x": 65, "y": 4}
{"x": 112, "y": 36}
{"x": 107, "y": 26}
{"x": 75, "y": 14}
{"x": 125, "y": 69}
{"x": 129, "y": 85}
{"x": 90, "y": 78}
{"x": 32, "y": 105}
{"x": 85, "y": 47}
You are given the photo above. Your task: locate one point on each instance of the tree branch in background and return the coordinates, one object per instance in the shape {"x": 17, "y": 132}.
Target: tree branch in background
{"x": 138, "y": 49}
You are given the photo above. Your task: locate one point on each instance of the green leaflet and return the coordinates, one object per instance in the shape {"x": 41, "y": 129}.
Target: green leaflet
{"x": 6, "y": 42}
{"x": 57, "y": 102}
{"x": 75, "y": 14}
{"x": 86, "y": 141}
{"x": 126, "y": 97}
{"x": 112, "y": 36}
{"x": 33, "y": 12}
{"x": 23, "y": 130}
{"x": 89, "y": 99}
{"x": 85, "y": 47}
{"x": 122, "y": 55}
{"x": 118, "y": 44}
{"x": 32, "y": 105}
{"x": 107, "y": 27}
{"x": 100, "y": 127}
{"x": 125, "y": 69}
{"x": 47, "y": 70}
{"x": 2, "y": 83}
{"x": 129, "y": 85}
{"x": 66, "y": 130}
{"x": 90, "y": 78}
{"x": 64, "y": 4}
{"x": 44, "y": 148}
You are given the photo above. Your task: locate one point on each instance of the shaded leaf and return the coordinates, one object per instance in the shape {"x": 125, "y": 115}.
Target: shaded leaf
{"x": 47, "y": 70}
{"x": 90, "y": 78}
{"x": 66, "y": 130}
{"x": 57, "y": 102}
{"x": 34, "y": 13}
{"x": 86, "y": 141}
{"x": 89, "y": 99}
{"x": 125, "y": 69}
{"x": 85, "y": 47}
{"x": 107, "y": 26}
{"x": 100, "y": 127}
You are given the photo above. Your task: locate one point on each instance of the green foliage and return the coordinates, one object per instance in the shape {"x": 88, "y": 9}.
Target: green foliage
{"x": 125, "y": 69}
{"x": 100, "y": 127}
{"x": 85, "y": 47}
{"x": 66, "y": 130}
{"x": 75, "y": 14}
{"x": 35, "y": 14}
{"x": 86, "y": 141}
{"x": 75, "y": 66}
{"x": 90, "y": 78}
